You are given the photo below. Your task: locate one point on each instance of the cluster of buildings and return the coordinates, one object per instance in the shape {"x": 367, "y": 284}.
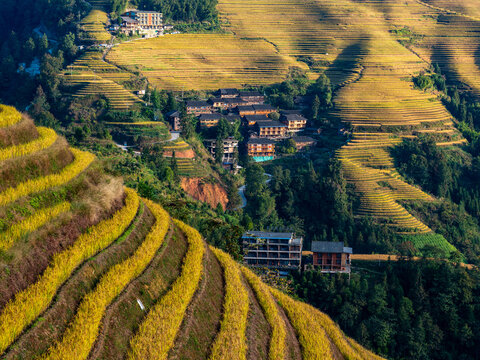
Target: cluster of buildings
{"x": 147, "y": 23}
{"x": 249, "y": 107}
{"x": 283, "y": 251}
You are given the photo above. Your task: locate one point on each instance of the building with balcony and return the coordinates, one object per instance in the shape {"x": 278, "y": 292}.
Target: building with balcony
{"x": 261, "y": 149}
{"x": 199, "y": 107}
{"x": 271, "y": 128}
{"x": 209, "y": 120}
{"x": 294, "y": 122}
{"x": 331, "y": 257}
{"x": 229, "y": 146}
{"x": 272, "y": 250}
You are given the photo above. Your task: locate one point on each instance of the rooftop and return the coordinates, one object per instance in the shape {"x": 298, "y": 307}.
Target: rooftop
{"x": 303, "y": 139}
{"x": 263, "y": 107}
{"x": 268, "y": 235}
{"x": 261, "y": 141}
{"x": 330, "y": 247}
{"x": 250, "y": 94}
{"x": 294, "y": 117}
{"x": 196, "y": 103}
{"x": 228, "y": 91}
{"x": 214, "y": 116}
{"x": 270, "y": 123}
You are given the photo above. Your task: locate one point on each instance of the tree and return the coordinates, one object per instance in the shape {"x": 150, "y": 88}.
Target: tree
{"x": 42, "y": 45}
{"x": 316, "y": 107}
{"x": 68, "y": 45}
{"x": 219, "y": 151}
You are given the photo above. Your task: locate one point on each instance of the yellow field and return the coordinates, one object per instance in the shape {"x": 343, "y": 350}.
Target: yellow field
{"x": 204, "y": 61}
{"x": 94, "y": 26}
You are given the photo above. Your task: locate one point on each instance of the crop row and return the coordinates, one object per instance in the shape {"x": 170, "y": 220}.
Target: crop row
{"x": 82, "y": 333}
{"x": 312, "y": 337}
{"x": 40, "y": 218}
{"x": 9, "y": 116}
{"x": 270, "y": 309}
{"x": 29, "y": 303}
{"x": 230, "y": 343}
{"x": 46, "y": 139}
{"x": 157, "y": 333}
{"x": 81, "y": 162}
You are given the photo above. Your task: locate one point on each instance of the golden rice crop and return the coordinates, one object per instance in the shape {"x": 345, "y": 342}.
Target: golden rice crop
{"x": 46, "y": 139}
{"x": 157, "y": 333}
{"x": 230, "y": 342}
{"x": 29, "y": 303}
{"x": 312, "y": 337}
{"x": 82, "y": 333}
{"x": 81, "y": 162}
{"x": 40, "y": 218}
{"x": 269, "y": 306}
{"x": 9, "y": 116}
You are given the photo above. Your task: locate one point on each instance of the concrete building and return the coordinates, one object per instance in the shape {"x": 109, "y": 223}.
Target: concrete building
{"x": 272, "y": 250}
{"x": 229, "y": 148}
{"x": 261, "y": 149}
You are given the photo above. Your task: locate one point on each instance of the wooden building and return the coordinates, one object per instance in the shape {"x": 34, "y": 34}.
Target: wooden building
{"x": 251, "y": 120}
{"x": 303, "y": 142}
{"x": 261, "y": 148}
{"x": 227, "y": 93}
{"x": 272, "y": 250}
{"x": 209, "y": 120}
{"x": 294, "y": 122}
{"x": 252, "y": 97}
{"x": 174, "y": 120}
{"x": 199, "y": 107}
{"x": 331, "y": 257}
{"x": 271, "y": 128}
{"x": 227, "y": 103}
{"x": 263, "y": 109}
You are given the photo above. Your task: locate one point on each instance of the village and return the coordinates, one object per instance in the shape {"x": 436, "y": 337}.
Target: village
{"x": 264, "y": 125}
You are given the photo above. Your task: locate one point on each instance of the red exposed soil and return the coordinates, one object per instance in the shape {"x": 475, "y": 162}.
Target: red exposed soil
{"x": 209, "y": 193}
{"x": 181, "y": 154}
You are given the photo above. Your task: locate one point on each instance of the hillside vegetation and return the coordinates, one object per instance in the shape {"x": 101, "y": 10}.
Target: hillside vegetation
{"x": 79, "y": 252}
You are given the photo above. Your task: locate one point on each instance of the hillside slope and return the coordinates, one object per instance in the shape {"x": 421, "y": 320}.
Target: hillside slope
{"x": 88, "y": 269}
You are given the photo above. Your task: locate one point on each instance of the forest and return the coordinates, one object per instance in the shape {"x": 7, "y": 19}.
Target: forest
{"x": 404, "y": 310}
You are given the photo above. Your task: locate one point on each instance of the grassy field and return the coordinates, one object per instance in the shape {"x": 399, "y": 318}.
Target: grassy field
{"x": 67, "y": 305}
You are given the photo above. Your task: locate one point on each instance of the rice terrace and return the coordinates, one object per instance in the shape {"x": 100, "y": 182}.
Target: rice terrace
{"x": 240, "y": 179}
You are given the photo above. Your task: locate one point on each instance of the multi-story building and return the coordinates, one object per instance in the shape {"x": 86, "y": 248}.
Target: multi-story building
{"x": 229, "y": 146}
{"x": 262, "y": 109}
{"x": 331, "y": 257}
{"x": 294, "y": 122}
{"x": 199, "y": 107}
{"x": 174, "y": 120}
{"x": 227, "y": 93}
{"x": 209, "y": 120}
{"x": 227, "y": 103}
{"x": 272, "y": 250}
{"x": 271, "y": 128}
{"x": 251, "y": 120}
{"x": 147, "y": 20}
{"x": 261, "y": 149}
{"x": 252, "y": 97}
{"x": 303, "y": 142}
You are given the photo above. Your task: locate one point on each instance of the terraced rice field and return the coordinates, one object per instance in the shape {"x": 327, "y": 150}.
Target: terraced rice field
{"x": 203, "y": 61}
{"x": 94, "y": 25}
{"x": 91, "y": 75}
{"x": 134, "y": 283}
{"x": 371, "y": 70}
